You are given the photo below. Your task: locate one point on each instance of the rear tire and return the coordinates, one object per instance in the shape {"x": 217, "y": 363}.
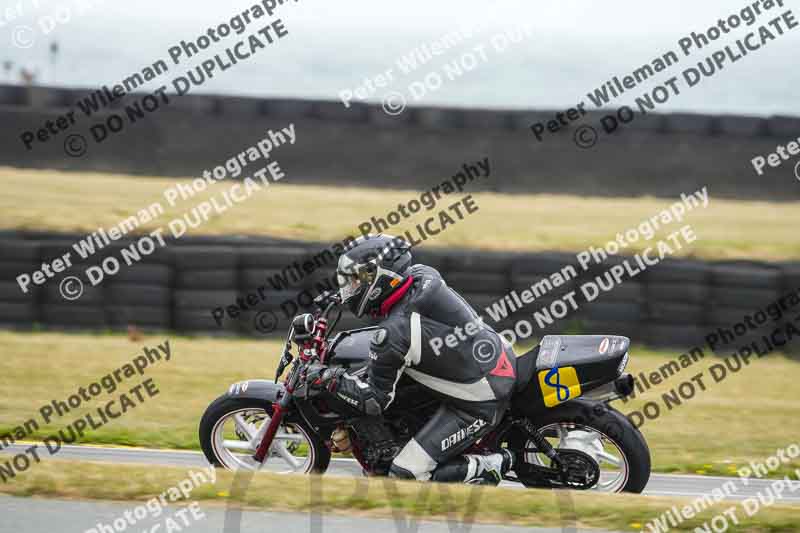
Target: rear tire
{"x": 224, "y": 407}
{"x": 609, "y": 423}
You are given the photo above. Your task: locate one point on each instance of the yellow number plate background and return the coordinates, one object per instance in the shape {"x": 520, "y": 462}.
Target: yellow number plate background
{"x": 569, "y": 386}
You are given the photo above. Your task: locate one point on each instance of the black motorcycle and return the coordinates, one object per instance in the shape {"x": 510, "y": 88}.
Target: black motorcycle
{"x": 560, "y": 423}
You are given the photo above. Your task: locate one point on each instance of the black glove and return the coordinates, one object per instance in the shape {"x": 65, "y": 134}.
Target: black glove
{"x": 320, "y": 377}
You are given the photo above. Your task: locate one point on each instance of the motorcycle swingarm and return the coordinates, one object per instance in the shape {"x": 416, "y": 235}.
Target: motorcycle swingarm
{"x": 539, "y": 476}
{"x": 577, "y": 470}
{"x": 573, "y": 468}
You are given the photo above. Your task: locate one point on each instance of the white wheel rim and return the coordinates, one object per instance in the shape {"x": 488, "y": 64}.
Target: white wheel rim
{"x": 236, "y": 436}
{"x": 571, "y": 436}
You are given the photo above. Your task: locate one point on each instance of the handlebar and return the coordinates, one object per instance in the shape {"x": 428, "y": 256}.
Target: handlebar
{"x": 327, "y": 298}
{"x": 326, "y": 301}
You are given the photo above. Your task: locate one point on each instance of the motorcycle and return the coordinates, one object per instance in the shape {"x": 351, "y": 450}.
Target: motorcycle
{"x": 561, "y": 423}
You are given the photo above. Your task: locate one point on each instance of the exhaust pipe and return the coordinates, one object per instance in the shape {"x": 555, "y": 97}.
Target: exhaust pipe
{"x": 613, "y": 390}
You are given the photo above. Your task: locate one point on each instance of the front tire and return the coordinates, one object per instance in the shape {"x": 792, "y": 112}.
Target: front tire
{"x": 231, "y": 429}
{"x": 599, "y": 430}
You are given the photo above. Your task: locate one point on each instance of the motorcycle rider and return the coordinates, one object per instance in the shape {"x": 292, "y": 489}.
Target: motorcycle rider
{"x": 474, "y": 376}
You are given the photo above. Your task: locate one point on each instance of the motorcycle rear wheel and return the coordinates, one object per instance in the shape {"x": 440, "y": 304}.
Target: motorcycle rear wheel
{"x": 231, "y": 429}
{"x": 598, "y": 430}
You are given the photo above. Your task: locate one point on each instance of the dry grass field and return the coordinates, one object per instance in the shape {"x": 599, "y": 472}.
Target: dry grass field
{"x": 745, "y": 417}
{"x": 83, "y": 202}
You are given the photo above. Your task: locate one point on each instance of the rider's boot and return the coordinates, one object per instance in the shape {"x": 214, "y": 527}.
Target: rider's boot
{"x": 476, "y": 469}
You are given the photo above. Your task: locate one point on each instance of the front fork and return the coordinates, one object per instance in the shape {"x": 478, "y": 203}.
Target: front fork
{"x": 279, "y": 408}
{"x": 269, "y": 435}
{"x": 317, "y": 347}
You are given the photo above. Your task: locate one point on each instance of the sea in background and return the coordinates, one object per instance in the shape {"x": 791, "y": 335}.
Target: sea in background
{"x": 572, "y": 48}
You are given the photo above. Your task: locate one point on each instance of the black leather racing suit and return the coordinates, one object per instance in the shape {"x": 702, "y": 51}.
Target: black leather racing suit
{"x": 474, "y": 372}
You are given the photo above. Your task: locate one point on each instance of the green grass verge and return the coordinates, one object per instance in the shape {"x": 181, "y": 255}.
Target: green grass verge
{"x": 373, "y": 497}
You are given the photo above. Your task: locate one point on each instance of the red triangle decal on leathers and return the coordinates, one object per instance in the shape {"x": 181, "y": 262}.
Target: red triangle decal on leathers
{"x": 503, "y": 368}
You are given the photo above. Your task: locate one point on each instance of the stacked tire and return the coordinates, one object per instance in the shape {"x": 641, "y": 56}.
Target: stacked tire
{"x": 72, "y": 306}
{"x": 272, "y": 283}
{"x": 678, "y": 296}
{"x": 619, "y": 311}
{"x": 17, "y": 308}
{"x": 537, "y": 270}
{"x": 738, "y": 290}
{"x": 205, "y": 278}
{"x": 140, "y": 295}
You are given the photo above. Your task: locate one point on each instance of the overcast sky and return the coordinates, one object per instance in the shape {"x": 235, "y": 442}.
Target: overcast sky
{"x": 575, "y": 46}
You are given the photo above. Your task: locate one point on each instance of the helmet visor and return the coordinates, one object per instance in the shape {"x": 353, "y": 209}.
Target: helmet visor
{"x": 349, "y": 284}
{"x": 347, "y": 278}
{"x": 353, "y": 277}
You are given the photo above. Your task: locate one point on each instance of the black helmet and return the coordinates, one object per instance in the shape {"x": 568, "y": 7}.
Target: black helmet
{"x": 371, "y": 270}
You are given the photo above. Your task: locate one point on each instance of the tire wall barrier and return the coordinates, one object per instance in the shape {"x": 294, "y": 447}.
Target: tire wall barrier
{"x": 675, "y": 303}
{"x": 363, "y": 146}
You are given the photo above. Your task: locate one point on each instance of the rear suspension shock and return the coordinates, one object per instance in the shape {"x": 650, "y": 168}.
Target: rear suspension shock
{"x": 541, "y": 443}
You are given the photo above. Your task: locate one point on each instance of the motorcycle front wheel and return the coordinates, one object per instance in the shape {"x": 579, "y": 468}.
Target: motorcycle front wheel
{"x": 232, "y": 428}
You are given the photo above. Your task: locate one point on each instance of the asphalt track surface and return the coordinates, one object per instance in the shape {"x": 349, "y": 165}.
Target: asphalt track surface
{"x": 688, "y": 486}
{"x": 31, "y": 515}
